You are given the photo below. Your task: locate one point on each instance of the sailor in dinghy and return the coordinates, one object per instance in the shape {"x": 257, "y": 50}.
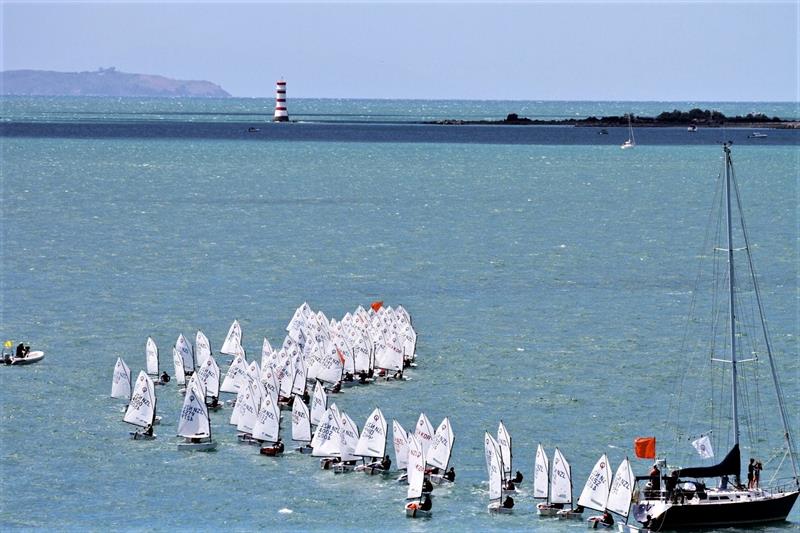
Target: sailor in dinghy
{"x": 619, "y": 497}
{"x": 326, "y": 443}
{"x": 268, "y": 427}
{"x": 494, "y": 466}
{"x": 421, "y": 508}
{"x": 194, "y": 424}
{"x": 372, "y": 444}
{"x": 141, "y": 410}
{"x": 439, "y": 453}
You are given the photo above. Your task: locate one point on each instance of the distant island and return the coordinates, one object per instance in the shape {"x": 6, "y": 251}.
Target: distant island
{"x": 694, "y": 117}
{"x": 102, "y": 82}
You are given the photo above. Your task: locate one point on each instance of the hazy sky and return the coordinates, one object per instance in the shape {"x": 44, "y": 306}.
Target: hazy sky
{"x": 515, "y": 50}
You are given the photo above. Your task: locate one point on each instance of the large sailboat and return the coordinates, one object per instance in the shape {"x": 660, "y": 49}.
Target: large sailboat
{"x": 715, "y": 495}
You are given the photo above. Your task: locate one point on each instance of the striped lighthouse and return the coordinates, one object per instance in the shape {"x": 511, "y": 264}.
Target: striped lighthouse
{"x": 281, "y": 115}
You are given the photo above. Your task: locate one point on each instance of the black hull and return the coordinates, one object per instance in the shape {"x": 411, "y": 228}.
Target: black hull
{"x": 725, "y": 514}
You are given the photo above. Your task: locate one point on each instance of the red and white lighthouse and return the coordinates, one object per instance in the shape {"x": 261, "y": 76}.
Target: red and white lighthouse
{"x": 281, "y": 115}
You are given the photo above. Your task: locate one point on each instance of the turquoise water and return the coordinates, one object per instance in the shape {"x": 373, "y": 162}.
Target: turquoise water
{"x": 549, "y": 285}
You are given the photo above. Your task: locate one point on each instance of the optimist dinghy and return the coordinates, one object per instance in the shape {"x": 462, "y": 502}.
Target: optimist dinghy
{"x": 494, "y": 465}
{"x": 194, "y": 424}
{"x": 141, "y": 410}
{"x": 419, "y": 507}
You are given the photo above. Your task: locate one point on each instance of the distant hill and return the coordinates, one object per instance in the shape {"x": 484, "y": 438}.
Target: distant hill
{"x": 102, "y": 82}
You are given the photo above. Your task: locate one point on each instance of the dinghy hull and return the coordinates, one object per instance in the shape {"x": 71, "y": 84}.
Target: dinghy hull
{"x": 497, "y": 507}
{"x": 197, "y": 446}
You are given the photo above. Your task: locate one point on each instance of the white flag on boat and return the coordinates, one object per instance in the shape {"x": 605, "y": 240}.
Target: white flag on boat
{"x": 703, "y": 447}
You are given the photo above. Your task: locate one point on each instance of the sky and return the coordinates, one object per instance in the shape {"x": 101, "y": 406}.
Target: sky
{"x": 635, "y": 50}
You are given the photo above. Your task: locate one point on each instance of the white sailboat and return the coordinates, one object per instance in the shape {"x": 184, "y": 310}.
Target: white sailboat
{"x": 268, "y": 427}
{"x": 739, "y": 349}
{"x": 141, "y": 410}
{"x": 194, "y": 424}
{"x": 421, "y": 508}
{"x": 372, "y": 444}
{"x": 438, "y": 455}
{"x": 151, "y": 357}
{"x": 234, "y": 375}
{"x": 504, "y": 441}
{"x": 349, "y": 440}
{"x": 202, "y": 348}
{"x": 400, "y": 439}
{"x": 319, "y": 404}
{"x": 631, "y": 142}
{"x": 233, "y": 340}
{"x": 177, "y": 363}
{"x": 301, "y": 425}
{"x": 494, "y": 466}
{"x": 619, "y": 497}
{"x": 561, "y": 487}
{"x": 209, "y": 374}
{"x": 121, "y": 382}
{"x": 541, "y": 484}
{"x": 327, "y": 441}
{"x": 595, "y": 492}
{"x": 184, "y": 348}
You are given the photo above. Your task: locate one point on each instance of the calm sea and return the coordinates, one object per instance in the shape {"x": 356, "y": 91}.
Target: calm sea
{"x": 548, "y": 274}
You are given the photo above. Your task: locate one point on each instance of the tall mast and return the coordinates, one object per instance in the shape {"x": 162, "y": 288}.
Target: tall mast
{"x": 731, "y": 314}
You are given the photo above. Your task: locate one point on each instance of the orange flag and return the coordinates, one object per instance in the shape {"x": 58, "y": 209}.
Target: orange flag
{"x": 376, "y": 305}
{"x": 341, "y": 355}
{"x": 645, "y": 447}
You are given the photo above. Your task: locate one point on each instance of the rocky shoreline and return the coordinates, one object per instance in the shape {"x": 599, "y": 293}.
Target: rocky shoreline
{"x": 695, "y": 117}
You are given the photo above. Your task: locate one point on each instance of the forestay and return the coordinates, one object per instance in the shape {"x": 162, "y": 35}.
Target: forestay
{"x": 439, "y": 453}
{"x": 541, "y": 470}
{"x": 595, "y": 492}
{"x": 372, "y": 442}
{"x": 142, "y": 407}
{"x": 121, "y": 382}
{"x": 151, "y": 356}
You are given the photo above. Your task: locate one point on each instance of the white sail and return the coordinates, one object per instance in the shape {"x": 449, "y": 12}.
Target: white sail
{"x": 185, "y": 350}
{"x": 266, "y": 354}
{"x": 193, "y": 422}
{"x": 121, "y": 382}
{"x": 326, "y": 441}
{"x": 494, "y": 466}
{"x": 233, "y": 340}
{"x": 268, "y": 423}
{"x": 236, "y": 371}
{"x": 504, "y": 441}
{"x": 424, "y": 432}
{"x": 416, "y": 467}
{"x": 247, "y": 406}
{"x": 349, "y": 438}
{"x": 595, "y": 492}
{"x": 151, "y": 356}
{"x": 372, "y": 442}
{"x": 400, "y": 439}
{"x": 560, "y": 479}
{"x": 208, "y": 373}
{"x": 142, "y": 407}
{"x": 619, "y": 498}
{"x": 177, "y": 362}
{"x": 270, "y": 383}
{"x": 299, "y": 382}
{"x": 301, "y": 422}
{"x": 319, "y": 403}
{"x": 202, "y": 348}
{"x": 439, "y": 453}
{"x": 541, "y": 474}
